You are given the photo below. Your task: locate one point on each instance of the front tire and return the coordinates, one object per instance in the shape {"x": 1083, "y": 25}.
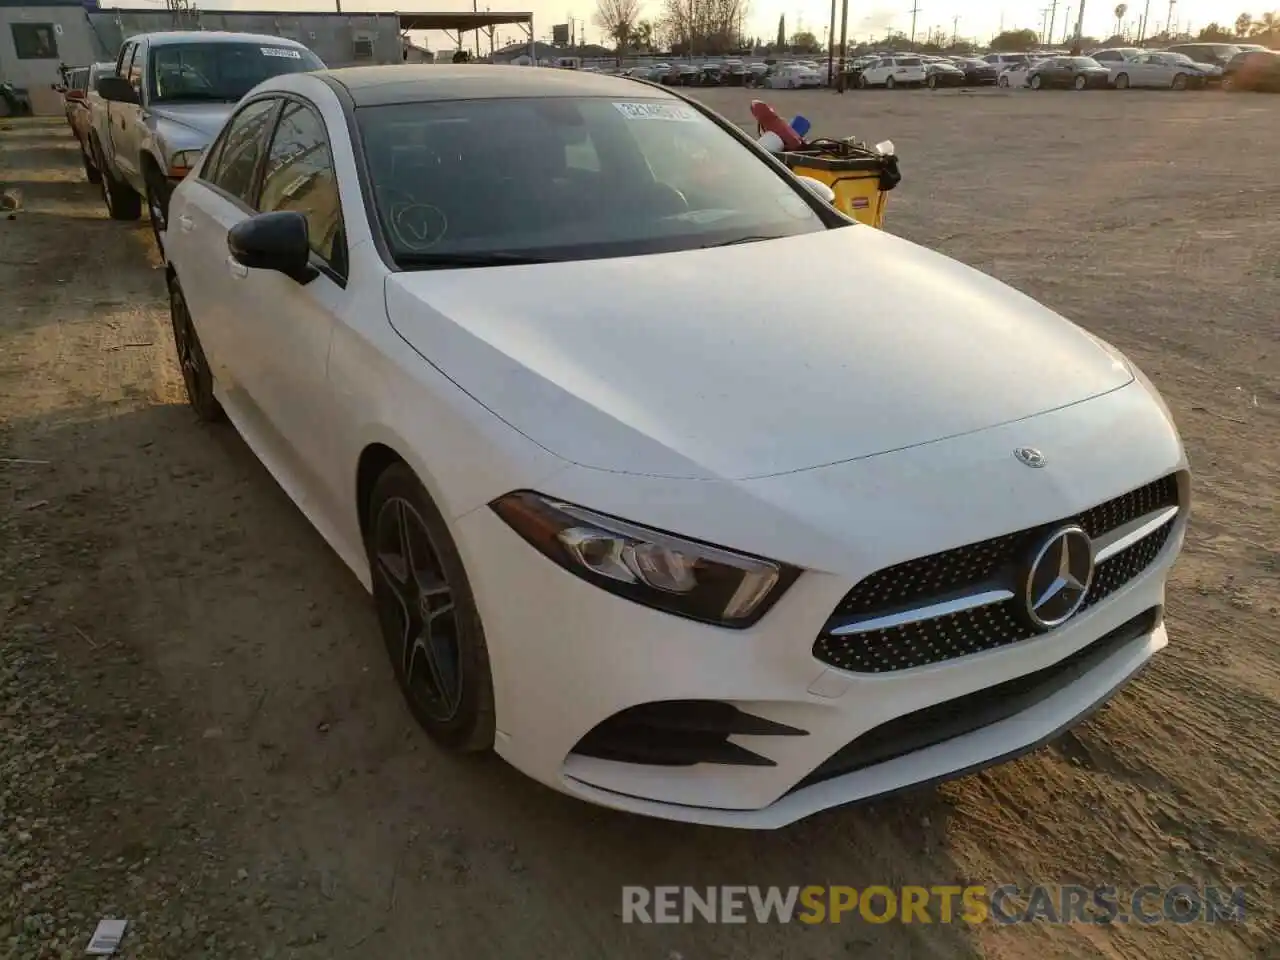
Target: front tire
{"x": 1122, "y": 82}
{"x": 1179, "y": 81}
{"x": 1003, "y": 82}
{"x": 890, "y": 83}
{"x": 1080, "y": 83}
{"x": 428, "y": 615}
{"x": 1036, "y": 82}
{"x": 196, "y": 375}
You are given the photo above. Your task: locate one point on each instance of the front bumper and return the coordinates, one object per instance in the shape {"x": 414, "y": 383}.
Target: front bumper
{"x": 567, "y": 656}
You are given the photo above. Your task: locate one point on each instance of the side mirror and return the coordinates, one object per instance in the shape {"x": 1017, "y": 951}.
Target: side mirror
{"x": 818, "y": 189}
{"x": 274, "y": 241}
{"x": 117, "y": 90}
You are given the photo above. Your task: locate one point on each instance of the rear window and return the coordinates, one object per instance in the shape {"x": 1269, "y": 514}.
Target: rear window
{"x": 567, "y": 179}
{"x": 222, "y": 72}
{"x": 909, "y": 62}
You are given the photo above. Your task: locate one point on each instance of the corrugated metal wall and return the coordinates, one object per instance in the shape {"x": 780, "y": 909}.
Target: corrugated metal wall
{"x": 337, "y": 39}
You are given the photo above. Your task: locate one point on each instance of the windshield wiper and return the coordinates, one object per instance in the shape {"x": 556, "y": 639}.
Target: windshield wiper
{"x": 496, "y": 258}
{"x": 752, "y": 239}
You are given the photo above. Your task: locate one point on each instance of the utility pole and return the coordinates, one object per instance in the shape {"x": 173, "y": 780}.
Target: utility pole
{"x": 844, "y": 39}
{"x": 1044, "y": 25}
{"x": 915, "y": 9}
{"x": 1066, "y": 27}
{"x": 1053, "y": 20}
{"x": 831, "y": 48}
{"x": 1168, "y": 27}
{"x": 1075, "y": 44}
{"x": 955, "y": 29}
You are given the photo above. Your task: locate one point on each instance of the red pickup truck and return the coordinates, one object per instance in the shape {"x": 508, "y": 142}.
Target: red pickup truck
{"x": 79, "y": 86}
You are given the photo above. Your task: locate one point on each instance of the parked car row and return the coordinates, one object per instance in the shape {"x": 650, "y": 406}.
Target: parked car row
{"x": 1184, "y": 66}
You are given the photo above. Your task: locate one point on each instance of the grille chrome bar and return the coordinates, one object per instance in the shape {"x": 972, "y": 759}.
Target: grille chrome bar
{"x": 903, "y": 617}
{"x": 1107, "y": 545}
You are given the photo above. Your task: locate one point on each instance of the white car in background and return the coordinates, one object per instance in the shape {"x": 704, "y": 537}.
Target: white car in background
{"x": 732, "y": 573}
{"x": 793, "y": 76}
{"x": 1015, "y": 75}
{"x": 891, "y": 72}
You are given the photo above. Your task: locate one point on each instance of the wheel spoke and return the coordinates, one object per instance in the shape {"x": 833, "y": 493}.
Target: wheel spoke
{"x": 441, "y": 661}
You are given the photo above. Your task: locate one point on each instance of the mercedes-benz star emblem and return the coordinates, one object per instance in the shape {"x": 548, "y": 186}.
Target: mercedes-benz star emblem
{"x": 1058, "y": 578}
{"x": 1030, "y": 456}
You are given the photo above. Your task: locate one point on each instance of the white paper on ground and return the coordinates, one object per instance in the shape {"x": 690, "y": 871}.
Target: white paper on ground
{"x": 106, "y": 939}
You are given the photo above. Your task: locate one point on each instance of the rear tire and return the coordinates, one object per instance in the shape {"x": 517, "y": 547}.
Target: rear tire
{"x": 91, "y": 172}
{"x": 1179, "y": 81}
{"x": 1036, "y": 82}
{"x": 196, "y": 375}
{"x": 1080, "y": 83}
{"x": 890, "y": 83}
{"x": 1003, "y": 82}
{"x": 1122, "y": 82}
{"x": 123, "y": 203}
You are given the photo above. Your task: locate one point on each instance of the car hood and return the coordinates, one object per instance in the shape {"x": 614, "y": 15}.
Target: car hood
{"x": 196, "y": 122}
{"x": 749, "y": 360}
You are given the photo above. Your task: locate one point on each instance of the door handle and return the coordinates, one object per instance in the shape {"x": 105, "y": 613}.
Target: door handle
{"x": 186, "y": 223}
{"x": 237, "y": 268}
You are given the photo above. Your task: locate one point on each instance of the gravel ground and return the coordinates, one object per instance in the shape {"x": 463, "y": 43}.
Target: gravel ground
{"x": 198, "y": 729}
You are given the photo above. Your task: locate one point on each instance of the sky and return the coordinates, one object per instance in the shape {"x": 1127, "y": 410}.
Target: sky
{"x": 974, "y": 19}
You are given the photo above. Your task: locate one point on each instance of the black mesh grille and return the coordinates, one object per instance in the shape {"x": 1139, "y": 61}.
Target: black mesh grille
{"x": 928, "y": 579}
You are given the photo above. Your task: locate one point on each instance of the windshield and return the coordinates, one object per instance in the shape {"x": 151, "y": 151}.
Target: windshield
{"x": 221, "y": 71}
{"x": 568, "y": 179}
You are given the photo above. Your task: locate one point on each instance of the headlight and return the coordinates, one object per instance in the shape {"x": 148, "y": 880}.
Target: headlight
{"x": 684, "y": 577}
{"x": 182, "y": 162}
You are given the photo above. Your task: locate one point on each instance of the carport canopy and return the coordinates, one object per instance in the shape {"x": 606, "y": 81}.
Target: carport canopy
{"x": 462, "y": 22}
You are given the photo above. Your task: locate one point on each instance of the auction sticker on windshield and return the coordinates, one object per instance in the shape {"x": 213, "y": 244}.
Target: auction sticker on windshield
{"x": 280, "y": 52}
{"x": 656, "y": 111}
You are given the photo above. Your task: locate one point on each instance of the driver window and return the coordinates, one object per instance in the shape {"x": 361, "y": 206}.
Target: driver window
{"x": 299, "y": 176}
{"x": 242, "y": 146}
{"x": 135, "y": 69}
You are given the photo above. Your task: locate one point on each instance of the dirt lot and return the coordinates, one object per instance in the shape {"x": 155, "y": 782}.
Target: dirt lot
{"x": 198, "y": 729}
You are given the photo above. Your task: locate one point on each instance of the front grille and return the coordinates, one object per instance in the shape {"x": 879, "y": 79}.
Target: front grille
{"x": 968, "y": 569}
{"x": 954, "y": 718}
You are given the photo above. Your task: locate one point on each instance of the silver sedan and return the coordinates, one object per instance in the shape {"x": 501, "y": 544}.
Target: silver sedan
{"x": 1164, "y": 71}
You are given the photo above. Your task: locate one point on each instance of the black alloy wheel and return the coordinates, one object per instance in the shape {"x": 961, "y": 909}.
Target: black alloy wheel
{"x": 428, "y": 615}
{"x": 196, "y": 375}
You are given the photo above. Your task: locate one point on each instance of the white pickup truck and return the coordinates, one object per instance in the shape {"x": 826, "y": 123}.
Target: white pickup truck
{"x": 166, "y": 101}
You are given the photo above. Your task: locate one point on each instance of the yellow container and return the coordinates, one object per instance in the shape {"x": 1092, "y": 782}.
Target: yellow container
{"x": 860, "y": 180}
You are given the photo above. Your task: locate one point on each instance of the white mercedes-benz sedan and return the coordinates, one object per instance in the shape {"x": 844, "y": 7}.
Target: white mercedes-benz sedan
{"x": 681, "y": 491}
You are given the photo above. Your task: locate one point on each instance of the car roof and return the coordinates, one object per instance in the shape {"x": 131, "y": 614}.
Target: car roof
{"x": 418, "y": 83}
{"x": 167, "y": 37}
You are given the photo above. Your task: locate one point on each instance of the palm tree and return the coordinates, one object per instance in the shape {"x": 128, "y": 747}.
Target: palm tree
{"x": 1268, "y": 25}
{"x": 1121, "y": 10}
{"x": 1243, "y": 23}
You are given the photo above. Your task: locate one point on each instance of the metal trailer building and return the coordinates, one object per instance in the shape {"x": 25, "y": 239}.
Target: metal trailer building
{"x": 38, "y": 36}
{"x": 339, "y": 39}
{"x": 35, "y": 37}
